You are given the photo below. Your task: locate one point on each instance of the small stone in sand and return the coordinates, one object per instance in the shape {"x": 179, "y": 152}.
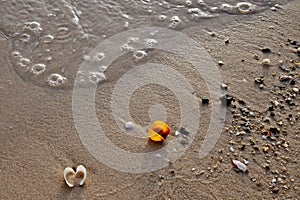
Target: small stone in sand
{"x": 221, "y": 63}
{"x": 205, "y": 100}
{"x": 226, "y": 100}
{"x": 266, "y": 62}
{"x": 296, "y": 90}
{"x": 266, "y": 50}
{"x": 128, "y": 125}
{"x": 177, "y": 133}
{"x": 224, "y": 86}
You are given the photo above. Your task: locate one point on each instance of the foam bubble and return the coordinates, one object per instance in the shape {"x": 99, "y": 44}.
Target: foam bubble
{"x": 62, "y": 33}
{"x": 49, "y": 58}
{"x": 16, "y": 54}
{"x": 56, "y": 80}
{"x": 23, "y": 63}
{"x": 174, "y": 22}
{"x": 197, "y": 13}
{"x": 133, "y": 40}
{"x": 38, "y": 69}
{"x": 239, "y": 8}
{"x": 188, "y": 2}
{"x": 33, "y": 26}
{"x": 201, "y": 2}
{"x": 99, "y": 56}
{"x": 48, "y": 38}
{"x": 149, "y": 43}
{"x": 96, "y": 77}
{"x": 22, "y": 66}
{"x": 87, "y": 58}
{"x": 126, "y": 47}
{"x": 227, "y": 8}
{"x": 25, "y": 37}
{"x": 103, "y": 68}
{"x": 245, "y": 7}
{"x": 139, "y": 54}
{"x": 162, "y": 17}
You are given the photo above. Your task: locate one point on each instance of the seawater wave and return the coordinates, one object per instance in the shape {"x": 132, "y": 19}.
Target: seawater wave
{"x": 50, "y": 39}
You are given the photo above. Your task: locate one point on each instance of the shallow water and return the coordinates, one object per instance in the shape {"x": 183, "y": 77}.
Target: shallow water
{"x": 49, "y": 40}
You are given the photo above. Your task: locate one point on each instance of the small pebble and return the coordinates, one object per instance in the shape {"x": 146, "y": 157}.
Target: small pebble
{"x": 273, "y": 9}
{"x": 128, "y": 125}
{"x": 277, "y": 6}
{"x": 266, "y": 50}
{"x": 188, "y": 2}
{"x": 213, "y": 34}
{"x": 205, "y": 100}
{"x": 266, "y": 62}
{"x": 177, "y": 133}
{"x": 220, "y": 63}
{"x": 224, "y": 86}
{"x": 261, "y": 86}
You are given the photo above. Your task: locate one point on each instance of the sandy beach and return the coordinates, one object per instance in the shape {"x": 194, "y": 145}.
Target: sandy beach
{"x": 38, "y": 137}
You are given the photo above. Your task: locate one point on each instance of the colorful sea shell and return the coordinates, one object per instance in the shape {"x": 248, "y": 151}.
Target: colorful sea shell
{"x": 159, "y": 131}
{"x": 155, "y": 137}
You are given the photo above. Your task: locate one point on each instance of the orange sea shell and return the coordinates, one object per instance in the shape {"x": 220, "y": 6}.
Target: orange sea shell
{"x": 159, "y": 131}
{"x": 155, "y": 137}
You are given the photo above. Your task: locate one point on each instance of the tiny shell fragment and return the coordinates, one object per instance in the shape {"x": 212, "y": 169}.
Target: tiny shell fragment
{"x": 241, "y": 166}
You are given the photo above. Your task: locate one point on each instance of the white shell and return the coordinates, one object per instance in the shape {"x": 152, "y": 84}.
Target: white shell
{"x": 240, "y": 165}
{"x": 67, "y": 171}
{"x": 82, "y": 169}
{"x": 70, "y": 172}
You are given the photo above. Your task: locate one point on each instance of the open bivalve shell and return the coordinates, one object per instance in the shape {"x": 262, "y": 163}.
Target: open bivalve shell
{"x": 73, "y": 178}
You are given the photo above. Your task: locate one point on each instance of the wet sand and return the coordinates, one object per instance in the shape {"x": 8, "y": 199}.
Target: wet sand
{"x": 39, "y": 139}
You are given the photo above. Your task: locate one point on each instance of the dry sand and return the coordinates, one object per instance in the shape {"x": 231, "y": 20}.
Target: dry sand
{"x": 39, "y": 139}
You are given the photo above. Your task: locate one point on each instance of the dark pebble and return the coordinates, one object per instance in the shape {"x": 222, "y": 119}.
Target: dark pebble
{"x": 205, "y": 100}
{"x": 273, "y": 129}
{"x": 184, "y": 131}
{"x": 242, "y": 102}
{"x": 266, "y": 50}
{"x": 271, "y": 108}
{"x": 293, "y": 42}
{"x": 275, "y": 189}
{"x": 259, "y": 80}
{"x": 226, "y": 100}
{"x": 293, "y": 82}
